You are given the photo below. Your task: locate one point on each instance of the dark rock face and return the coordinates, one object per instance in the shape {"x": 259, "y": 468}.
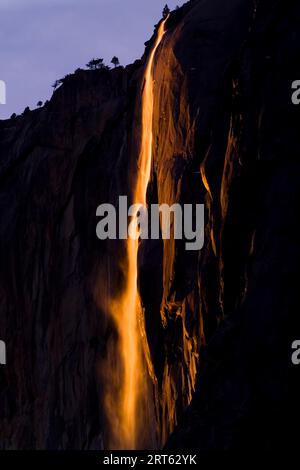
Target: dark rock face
{"x": 225, "y": 132}
{"x": 247, "y": 386}
{"x": 56, "y": 167}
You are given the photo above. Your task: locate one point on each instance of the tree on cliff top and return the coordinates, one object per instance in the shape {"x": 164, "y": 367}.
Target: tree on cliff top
{"x": 115, "y": 61}
{"x": 95, "y": 64}
{"x": 56, "y": 83}
{"x": 166, "y": 11}
{"x": 26, "y": 111}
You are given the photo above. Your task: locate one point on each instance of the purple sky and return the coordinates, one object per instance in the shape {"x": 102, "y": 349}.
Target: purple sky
{"x": 42, "y": 40}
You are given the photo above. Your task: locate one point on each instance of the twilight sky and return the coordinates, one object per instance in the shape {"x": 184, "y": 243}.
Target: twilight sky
{"x": 42, "y": 40}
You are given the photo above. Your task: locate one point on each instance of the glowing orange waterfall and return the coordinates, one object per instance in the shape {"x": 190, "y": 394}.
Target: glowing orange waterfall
{"x": 129, "y": 410}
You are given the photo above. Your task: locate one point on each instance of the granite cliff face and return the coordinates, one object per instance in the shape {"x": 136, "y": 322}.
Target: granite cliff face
{"x": 219, "y": 322}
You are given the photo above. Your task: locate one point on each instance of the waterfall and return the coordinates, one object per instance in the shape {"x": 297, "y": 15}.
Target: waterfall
{"x": 130, "y": 404}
